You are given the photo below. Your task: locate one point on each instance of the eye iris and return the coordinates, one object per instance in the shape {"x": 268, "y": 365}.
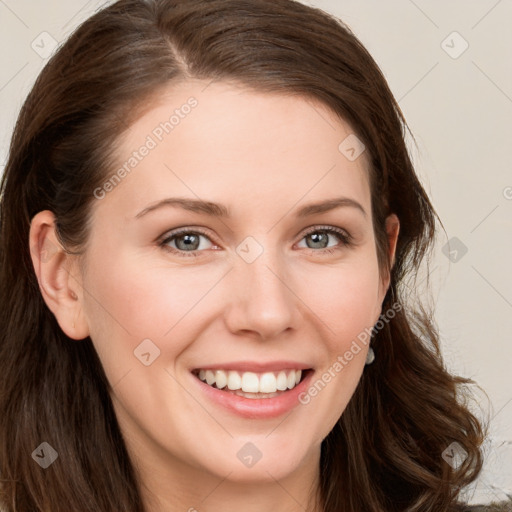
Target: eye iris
{"x": 191, "y": 241}
{"x": 317, "y": 236}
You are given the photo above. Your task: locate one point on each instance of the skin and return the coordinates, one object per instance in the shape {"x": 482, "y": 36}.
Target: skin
{"x": 263, "y": 156}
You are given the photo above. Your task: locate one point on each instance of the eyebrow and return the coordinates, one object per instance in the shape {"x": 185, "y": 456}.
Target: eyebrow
{"x": 219, "y": 210}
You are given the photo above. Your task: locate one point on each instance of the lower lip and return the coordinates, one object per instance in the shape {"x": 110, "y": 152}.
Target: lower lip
{"x": 256, "y": 408}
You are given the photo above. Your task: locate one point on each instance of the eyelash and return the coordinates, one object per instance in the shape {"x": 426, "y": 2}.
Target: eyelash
{"x": 344, "y": 236}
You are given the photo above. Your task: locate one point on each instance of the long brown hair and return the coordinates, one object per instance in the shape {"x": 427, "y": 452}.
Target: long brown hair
{"x": 385, "y": 452}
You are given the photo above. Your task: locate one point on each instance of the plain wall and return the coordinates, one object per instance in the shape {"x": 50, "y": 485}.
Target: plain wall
{"x": 458, "y": 104}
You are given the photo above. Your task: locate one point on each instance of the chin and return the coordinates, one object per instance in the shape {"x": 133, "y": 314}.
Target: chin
{"x": 259, "y": 458}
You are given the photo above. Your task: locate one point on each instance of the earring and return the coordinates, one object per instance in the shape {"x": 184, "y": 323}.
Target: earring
{"x": 370, "y": 356}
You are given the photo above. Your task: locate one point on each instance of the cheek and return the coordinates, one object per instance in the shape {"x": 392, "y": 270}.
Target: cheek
{"x": 347, "y": 303}
{"x": 132, "y": 299}
{"x": 345, "y": 299}
{"x": 138, "y": 297}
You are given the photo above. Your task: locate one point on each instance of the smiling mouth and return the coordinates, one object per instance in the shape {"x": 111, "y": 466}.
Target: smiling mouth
{"x": 252, "y": 384}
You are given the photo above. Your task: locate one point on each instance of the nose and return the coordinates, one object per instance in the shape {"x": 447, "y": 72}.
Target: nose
{"x": 262, "y": 301}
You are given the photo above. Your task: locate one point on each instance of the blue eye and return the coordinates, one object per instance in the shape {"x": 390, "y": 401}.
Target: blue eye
{"x": 320, "y": 235}
{"x": 187, "y": 242}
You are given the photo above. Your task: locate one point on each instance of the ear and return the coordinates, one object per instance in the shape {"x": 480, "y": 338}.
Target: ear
{"x": 392, "y": 230}
{"x": 58, "y": 276}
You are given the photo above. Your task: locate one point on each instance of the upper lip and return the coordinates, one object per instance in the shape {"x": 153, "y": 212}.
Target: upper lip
{"x": 253, "y": 366}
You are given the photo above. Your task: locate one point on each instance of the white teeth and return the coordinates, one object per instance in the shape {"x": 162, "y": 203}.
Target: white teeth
{"x": 210, "y": 377}
{"x": 268, "y": 383}
{"x": 234, "y": 381}
{"x": 282, "y": 381}
{"x": 221, "y": 379}
{"x": 291, "y": 380}
{"x": 250, "y": 382}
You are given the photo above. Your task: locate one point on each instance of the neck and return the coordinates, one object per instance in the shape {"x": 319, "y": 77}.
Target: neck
{"x": 178, "y": 488}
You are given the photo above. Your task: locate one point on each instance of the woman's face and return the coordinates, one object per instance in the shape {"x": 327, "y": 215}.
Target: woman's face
{"x": 257, "y": 285}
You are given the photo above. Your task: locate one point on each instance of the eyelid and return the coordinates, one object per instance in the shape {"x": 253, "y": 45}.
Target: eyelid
{"x": 185, "y": 229}
{"x": 175, "y": 233}
{"x": 345, "y": 237}
{"x": 333, "y": 229}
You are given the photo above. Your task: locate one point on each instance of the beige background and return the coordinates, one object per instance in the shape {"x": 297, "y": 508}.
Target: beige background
{"x": 458, "y": 103}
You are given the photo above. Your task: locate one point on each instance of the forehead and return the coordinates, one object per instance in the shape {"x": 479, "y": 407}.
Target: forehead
{"x": 226, "y": 143}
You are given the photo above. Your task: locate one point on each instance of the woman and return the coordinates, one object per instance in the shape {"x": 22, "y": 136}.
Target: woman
{"x": 208, "y": 218}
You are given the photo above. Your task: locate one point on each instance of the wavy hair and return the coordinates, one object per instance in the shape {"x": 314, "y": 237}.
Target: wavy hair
{"x": 385, "y": 451}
